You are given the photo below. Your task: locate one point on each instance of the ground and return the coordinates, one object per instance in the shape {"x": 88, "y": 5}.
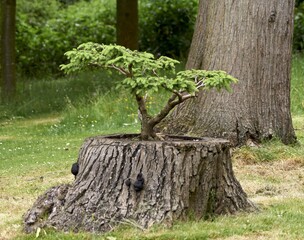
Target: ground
{"x": 267, "y": 183}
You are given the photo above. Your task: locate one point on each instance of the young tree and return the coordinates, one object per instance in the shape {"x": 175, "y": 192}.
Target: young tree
{"x": 7, "y": 48}
{"x": 127, "y": 23}
{"x": 252, "y": 41}
{"x": 145, "y": 75}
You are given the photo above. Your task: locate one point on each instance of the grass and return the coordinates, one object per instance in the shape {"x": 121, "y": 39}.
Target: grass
{"x": 275, "y": 222}
{"x": 45, "y": 96}
{"x": 297, "y": 85}
{"x": 34, "y": 158}
{"x": 41, "y": 134}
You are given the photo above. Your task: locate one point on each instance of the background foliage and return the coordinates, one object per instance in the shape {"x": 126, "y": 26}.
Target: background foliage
{"x": 166, "y": 26}
{"x": 45, "y": 33}
{"x": 298, "y": 38}
{"x": 46, "y": 29}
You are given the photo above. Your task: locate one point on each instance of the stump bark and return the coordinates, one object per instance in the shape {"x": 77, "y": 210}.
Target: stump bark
{"x": 122, "y": 180}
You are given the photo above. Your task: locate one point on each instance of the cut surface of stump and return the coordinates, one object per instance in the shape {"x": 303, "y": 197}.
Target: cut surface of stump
{"x": 122, "y": 180}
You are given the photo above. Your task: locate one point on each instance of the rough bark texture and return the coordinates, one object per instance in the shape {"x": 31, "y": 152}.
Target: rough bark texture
{"x": 127, "y": 23}
{"x": 181, "y": 176}
{"x": 7, "y": 48}
{"x": 250, "y": 40}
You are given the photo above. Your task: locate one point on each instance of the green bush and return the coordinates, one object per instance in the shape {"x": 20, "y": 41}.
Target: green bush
{"x": 31, "y": 19}
{"x": 298, "y": 2}
{"x": 166, "y": 26}
{"x": 298, "y": 38}
{"x": 45, "y": 33}
{"x": 47, "y": 29}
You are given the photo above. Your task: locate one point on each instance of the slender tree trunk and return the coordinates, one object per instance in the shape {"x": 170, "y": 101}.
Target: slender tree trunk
{"x": 250, "y": 40}
{"x": 7, "y": 49}
{"x": 127, "y": 23}
{"x": 142, "y": 182}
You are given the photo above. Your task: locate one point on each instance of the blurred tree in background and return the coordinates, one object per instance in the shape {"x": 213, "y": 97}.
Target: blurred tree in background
{"x": 7, "y": 49}
{"x": 127, "y": 23}
{"x": 46, "y": 29}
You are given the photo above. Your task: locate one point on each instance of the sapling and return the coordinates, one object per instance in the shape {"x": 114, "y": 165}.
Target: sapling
{"x": 144, "y": 75}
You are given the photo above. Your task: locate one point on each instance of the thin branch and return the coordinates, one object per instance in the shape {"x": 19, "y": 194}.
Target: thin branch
{"x": 176, "y": 93}
{"x": 199, "y": 84}
{"x": 187, "y": 96}
{"x": 179, "y": 95}
{"x": 172, "y": 102}
{"x": 197, "y": 80}
{"x": 121, "y": 70}
{"x": 96, "y": 65}
{"x": 154, "y": 72}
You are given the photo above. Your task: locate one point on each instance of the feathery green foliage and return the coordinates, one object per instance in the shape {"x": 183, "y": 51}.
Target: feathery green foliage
{"x": 144, "y": 75}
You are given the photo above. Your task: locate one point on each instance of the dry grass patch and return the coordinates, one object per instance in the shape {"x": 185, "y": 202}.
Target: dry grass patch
{"x": 267, "y": 181}
{"x": 39, "y": 121}
{"x": 2, "y": 138}
{"x": 18, "y": 193}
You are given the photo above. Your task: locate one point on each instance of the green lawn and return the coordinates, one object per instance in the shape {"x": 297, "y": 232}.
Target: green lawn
{"x": 34, "y": 157}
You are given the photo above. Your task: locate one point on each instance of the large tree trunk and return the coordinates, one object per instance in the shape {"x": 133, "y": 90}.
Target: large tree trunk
{"x": 7, "y": 49}
{"x": 122, "y": 180}
{"x": 250, "y": 40}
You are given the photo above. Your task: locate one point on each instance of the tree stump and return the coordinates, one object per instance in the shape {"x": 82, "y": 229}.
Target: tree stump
{"x": 122, "y": 180}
